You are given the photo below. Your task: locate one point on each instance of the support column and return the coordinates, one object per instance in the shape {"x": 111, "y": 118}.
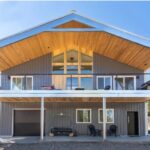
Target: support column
{"x": 104, "y": 118}
{"x": 146, "y": 118}
{"x": 42, "y": 118}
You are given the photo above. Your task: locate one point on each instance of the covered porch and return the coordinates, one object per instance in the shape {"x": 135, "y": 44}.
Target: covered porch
{"x": 46, "y": 100}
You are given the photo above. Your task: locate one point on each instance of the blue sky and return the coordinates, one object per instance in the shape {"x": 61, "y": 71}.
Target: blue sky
{"x": 18, "y": 16}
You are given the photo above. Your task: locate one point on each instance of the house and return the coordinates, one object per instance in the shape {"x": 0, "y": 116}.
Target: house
{"x": 72, "y": 72}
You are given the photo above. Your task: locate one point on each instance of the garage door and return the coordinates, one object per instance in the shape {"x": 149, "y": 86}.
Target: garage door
{"x": 26, "y": 123}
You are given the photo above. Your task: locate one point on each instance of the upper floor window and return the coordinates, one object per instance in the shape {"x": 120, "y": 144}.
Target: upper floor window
{"x": 125, "y": 82}
{"x": 103, "y": 82}
{"x": 73, "y": 64}
{"x": 72, "y": 56}
{"x": 21, "y": 83}
{"x": 58, "y": 58}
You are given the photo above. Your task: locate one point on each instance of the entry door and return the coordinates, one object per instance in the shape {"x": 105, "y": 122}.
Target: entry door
{"x": 133, "y": 123}
{"x": 26, "y": 123}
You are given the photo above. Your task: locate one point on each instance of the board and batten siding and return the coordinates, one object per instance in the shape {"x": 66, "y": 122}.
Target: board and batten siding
{"x": 105, "y": 65}
{"x": 41, "y": 65}
{"x": 53, "y": 119}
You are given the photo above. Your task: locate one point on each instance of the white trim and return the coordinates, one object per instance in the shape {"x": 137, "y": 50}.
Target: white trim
{"x": 104, "y": 118}
{"x": 104, "y": 82}
{"x": 124, "y": 76}
{"x": 99, "y": 26}
{"x": 42, "y": 119}
{"x": 82, "y": 110}
{"x": 146, "y": 118}
{"x": 11, "y": 86}
{"x": 106, "y": 115}
{"x": 13, "y": 110}
{"x": 74, "y": 93}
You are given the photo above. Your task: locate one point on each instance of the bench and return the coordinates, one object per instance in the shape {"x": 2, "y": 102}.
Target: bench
{"x": 62, "y": 131}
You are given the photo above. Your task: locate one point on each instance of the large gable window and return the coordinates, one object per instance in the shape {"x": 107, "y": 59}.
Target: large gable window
{"x": 72, "y": 64}
{"x": 21, "y": 83}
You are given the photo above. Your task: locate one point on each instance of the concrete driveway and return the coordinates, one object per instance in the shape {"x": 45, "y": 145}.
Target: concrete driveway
{"x": 77, "y": 146}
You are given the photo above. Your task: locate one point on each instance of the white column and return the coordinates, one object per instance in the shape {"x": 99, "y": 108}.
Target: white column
{"x": 42, "y": 118}
{"x": 104, "y": 118}
{"x": 146, "y": 118}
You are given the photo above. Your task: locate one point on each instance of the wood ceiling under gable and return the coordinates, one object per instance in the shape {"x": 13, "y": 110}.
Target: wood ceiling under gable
{"x": 73, "y": 24}
{"x": 102, "y": 43}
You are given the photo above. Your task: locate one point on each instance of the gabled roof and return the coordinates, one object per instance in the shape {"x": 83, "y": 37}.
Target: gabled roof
{"x": 93, "y": 26}
{"x": 73, "y": 24}
{"x": 74, "y": 31}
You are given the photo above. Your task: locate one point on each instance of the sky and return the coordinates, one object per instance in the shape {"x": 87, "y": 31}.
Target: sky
{"x": 18, "y": 16}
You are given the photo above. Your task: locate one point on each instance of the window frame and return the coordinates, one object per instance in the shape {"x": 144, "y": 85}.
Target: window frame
{"x": 11, "y": 84}
{"x": 123, "y": 76}
{"x": 106, "y": 116}
{"x": 104, "y": 82}
{"x": 81, "y": 109}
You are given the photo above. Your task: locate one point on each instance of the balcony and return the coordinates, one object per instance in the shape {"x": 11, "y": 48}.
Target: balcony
{"x": 75, "y": 82}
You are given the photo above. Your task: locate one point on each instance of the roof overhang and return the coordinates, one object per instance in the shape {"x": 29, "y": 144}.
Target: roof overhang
{"x": 102, "y": 43}
{"x": 91, "y": 36}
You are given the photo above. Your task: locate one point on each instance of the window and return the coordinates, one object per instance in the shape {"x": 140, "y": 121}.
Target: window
{"x": 86, "y": 58}
{"x": 21, "y": 83}
{"x": 83, "y": 115}
{"x": 58, "y": 58}
{"x": 125, "y": 83}
{"x": 72, "y": 56}
{"x": 72, "y": 83}
{"x": 58, "y": 69}
{"x": 103, "y": 81}
{"x": 75, "y": 64}
{"x": 109, "y": 115}
{"x": 86, "y": 83}
{"x": 86, "y": 69}
{"x": 72, "y": 69}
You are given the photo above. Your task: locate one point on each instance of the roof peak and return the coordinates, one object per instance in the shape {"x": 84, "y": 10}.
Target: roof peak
{"x": 73, "y": 15}
{"x": 73, "y": 11}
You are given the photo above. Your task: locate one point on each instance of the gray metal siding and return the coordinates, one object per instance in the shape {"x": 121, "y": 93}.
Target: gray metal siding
{"x": 52, "y": 118}
{"x": 105, "y": 65}
{"x": 41, "y": 65}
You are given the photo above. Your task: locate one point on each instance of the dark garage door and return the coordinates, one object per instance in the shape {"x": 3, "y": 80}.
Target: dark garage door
{"x": 26, "y": 123}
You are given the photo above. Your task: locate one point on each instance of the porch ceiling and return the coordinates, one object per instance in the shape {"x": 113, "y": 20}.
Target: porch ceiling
{"x": 30, "y": 99}
{"x": 102, "y": 43}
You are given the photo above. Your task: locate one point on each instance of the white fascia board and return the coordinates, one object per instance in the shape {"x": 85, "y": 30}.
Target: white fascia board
{"x": 67, "y": 93}
{"x": 97, "y": 26}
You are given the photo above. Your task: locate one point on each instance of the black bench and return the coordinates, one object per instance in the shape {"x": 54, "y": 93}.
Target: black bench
{"x": 62, "y": 131}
